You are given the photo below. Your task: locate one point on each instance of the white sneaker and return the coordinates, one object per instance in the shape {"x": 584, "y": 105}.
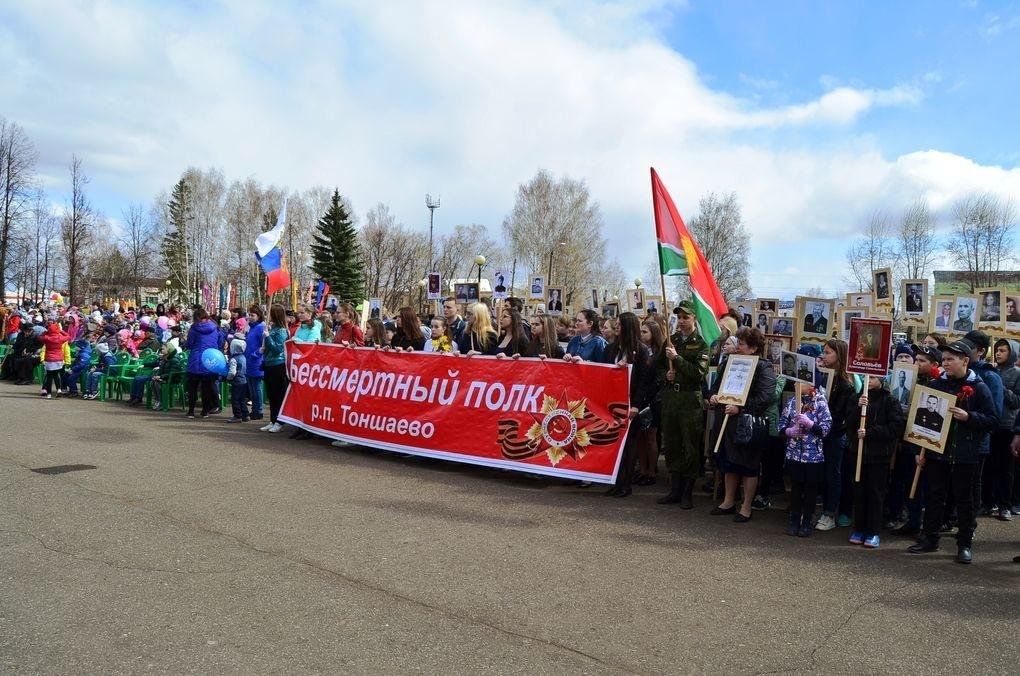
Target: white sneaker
{"x": 825, "y": 522}
{"x": 265, "y": 428}
{"x": 275, "y": 427}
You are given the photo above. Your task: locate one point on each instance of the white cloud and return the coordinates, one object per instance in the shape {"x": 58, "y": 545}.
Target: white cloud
{"x": 393, "y": 100}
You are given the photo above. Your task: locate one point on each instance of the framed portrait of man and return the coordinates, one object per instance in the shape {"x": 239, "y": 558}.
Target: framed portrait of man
{"x": 744, "y": 308}
{"x": 435, "y": 286}
{"x": 554, "y": 301}
{"x": 796, "y": 366}
{"x": 537, "y": 288}
{"x": 775, "y": 345}
{"x": 928, "y": 419}
{"x": 824, "y": 378}
{"x": 460, "y": 293}
{"x": 991, "y": 311}
{"x": 1012, "y": 304}
{"x": 964, "y": 314}
{"x": 636, "y": 301}
{"x": 611, "y": 310}
{"x": 914, "y": 295}
{"x": 882, "y": 286}
{"x": 500, "y": 284}
{"x": 375, "y": 308}
{"x": 736, "y": 379}
{"x": 859, "y": 299}
{"x": 904, "y": 377}
{"x": 594, "y": 299}
{"x": 762, "y": 321}
{"x": 869, "y": 347}
{"x": 768, "y": 305}
{"x": 814, "y": 319}
{"x": 942, "y": 314}
{"x": 781, "y": 326}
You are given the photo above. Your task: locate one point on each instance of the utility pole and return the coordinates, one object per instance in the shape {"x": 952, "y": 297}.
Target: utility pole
{"x": 431, "y": 204}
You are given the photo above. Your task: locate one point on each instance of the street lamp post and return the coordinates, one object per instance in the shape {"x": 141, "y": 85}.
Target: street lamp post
{"x": 548, "y": 281}
{"x": 479, "y": 261}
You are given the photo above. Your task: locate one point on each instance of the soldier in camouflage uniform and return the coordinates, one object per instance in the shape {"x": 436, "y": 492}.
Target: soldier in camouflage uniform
{"x": 683, "y": 419}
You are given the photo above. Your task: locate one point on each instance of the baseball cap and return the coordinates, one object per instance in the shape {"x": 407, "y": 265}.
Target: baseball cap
{"x": 978, "y": 339}
{"x": 931, "y": 352}
{"x": 962, "y": 347}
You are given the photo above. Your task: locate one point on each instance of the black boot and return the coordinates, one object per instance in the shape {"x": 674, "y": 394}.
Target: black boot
{"x": 675, "y": 494}
{"x": 686, "y": 499}
{"x": 924, "y": 546}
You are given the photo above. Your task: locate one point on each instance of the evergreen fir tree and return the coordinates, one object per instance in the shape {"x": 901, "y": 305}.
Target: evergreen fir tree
{"x": 336, "y": 256}
{"x": 176, "y": 256}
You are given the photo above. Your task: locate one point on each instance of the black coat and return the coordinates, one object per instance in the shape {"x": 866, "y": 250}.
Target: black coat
{"x": 843, "y": 408}
{"x": 642, "y": 375}
{"x": 884, "y": 426}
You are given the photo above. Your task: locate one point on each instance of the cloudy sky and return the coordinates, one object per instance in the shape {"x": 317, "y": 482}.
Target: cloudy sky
{"x": 815, "y": 114}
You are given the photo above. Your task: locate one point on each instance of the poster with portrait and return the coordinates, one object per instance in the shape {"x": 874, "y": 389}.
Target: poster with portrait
{"x": 991, "y": 310}
{"x": 869, "y": 347}
{"x": 1012, "y": 314}
{"x": 611, "y": 310}
{"x": 797, "y": 366}
{"x": 554, "y": 301}
{"x": 768, "y": 305}
{"x": 744, "y": 312}
{"x": 763, "y": 321}
{"x": 781, "y": 326}
{"x": 942, "y": 314}
{"x": 736, "y": 379}
{"x": 435, "y": 286}
{"x": 914, "y": 295}
{"x": 844, "y": 317}
{"x": 466, "y": 292}
{"x": 653, "y": 305}
{"x": 814, "y": 319}
{"x": 964, "y": 314}
{"x": 500, "y": 284}
{"x": 824, "y": 378}
{"x": 928, "y": 419}
{"x": 775, "y": 345}
{"x": 375, "y": 308}
{"x": 881, "y": 281}
{"x": 859, "y": 299}
{"x": 904, "y": 377}
{"x": 536, "y": 289}
{"x": 594, "y": 299}
{"x": 636, "y": 301}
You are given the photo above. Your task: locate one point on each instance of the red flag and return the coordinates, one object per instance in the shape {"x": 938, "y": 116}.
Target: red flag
{"x": 276, "y": 280}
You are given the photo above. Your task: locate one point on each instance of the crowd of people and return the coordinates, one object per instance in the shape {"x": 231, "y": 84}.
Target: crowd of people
{"x": 784, "y": 438}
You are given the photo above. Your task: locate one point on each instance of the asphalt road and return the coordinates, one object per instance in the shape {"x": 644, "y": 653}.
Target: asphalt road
{"x": 197, "y": 546}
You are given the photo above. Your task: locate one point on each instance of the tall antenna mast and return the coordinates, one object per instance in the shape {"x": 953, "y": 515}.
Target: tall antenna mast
{"x": 432, "y": 205}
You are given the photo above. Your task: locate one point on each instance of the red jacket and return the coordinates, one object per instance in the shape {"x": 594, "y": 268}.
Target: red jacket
{"x": 53, "y": 341}
{"x": 349, "y": 333}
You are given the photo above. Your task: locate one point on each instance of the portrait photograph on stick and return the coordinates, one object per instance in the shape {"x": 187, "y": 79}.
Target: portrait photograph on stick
{"x": 904, "y": 377}
{"x": 868, "y": 352}
{"x": 653, "y": 305}
{"x": 882, "y": 285}
{"x": 500, "y": 284}
{"x": 914, "y": 295}
{"x": 781, "y": 326}
{"x": 636, "y": 301}
{"x": 737, "y": 376}
{"x": 928, "y": 418}
{"x": 435, "y": 286}
{"x": 964, "y": 314}
{"x": 554, "y": 301}
{"x": 611, "y": 310}
{"x": 824, "y": 378}
{"x": 844, "y": 317}
{"x": 796, "y": 366}
{"x": 814, "y": 319}
{"x": 857, "y": 299}
{"x": 990, "y": 313}
{"x": 775, "y": 345}
{"x": 770, "y": 305}
{"x": 942, "y": 314}
{"x": 536, "y": 289}
{"x": 1013, "y": 315}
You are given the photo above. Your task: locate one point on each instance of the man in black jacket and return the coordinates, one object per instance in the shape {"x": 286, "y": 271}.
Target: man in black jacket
{"x": 973, "y": 419}
{"x": 24, "y": 358}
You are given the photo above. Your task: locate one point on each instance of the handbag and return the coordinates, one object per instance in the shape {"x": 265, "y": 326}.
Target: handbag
{"x": 743, "y": 429}
{"x": 644, "y": 418}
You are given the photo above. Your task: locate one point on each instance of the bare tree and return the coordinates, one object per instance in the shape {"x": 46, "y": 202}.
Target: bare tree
{"x": 875, "y": 250}
{"x": 981, "y": 237}
{"x": 75, "y": 230}
{"x": 916, "y": 242}
{"x": 17, "y": 163}
{"x": 43, "y": 239}
{"x": 719, "y": 231}
{"x": 139, "y": 243}
{"x": 555, "y": 230}
{"x": 395, "y": 258}
{"x": 456, "y": 251}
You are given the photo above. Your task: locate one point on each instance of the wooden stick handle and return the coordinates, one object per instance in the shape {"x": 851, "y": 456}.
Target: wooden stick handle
{"x": 722, "y": 430}
{"x": 917, "y": 476}
{"x": 797, "y": 393}
{"x": 860, "y": 445}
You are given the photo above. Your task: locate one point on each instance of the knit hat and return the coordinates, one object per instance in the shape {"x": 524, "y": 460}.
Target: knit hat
{"x": 241, "y": 324}
{"x": 903, "y": 348}
{"x": 110, "y": 329}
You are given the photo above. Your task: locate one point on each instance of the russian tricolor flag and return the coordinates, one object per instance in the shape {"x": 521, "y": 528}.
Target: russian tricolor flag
{"x": 269, "y": 256}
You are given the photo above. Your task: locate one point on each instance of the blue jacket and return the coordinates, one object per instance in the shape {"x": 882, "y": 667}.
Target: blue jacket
{"x": 201, "y": 336}
{"x": 251, "y": 354}
{"x": 592, "y": 349}
{"x": 84, "y": 356}
{"x": 990, "y": 376}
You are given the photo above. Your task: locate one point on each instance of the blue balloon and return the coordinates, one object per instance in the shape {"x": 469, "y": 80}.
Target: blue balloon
{"x": 214, "y": 361}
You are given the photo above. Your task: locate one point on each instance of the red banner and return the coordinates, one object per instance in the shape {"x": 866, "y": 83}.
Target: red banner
{"x": 545, "y": 417}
